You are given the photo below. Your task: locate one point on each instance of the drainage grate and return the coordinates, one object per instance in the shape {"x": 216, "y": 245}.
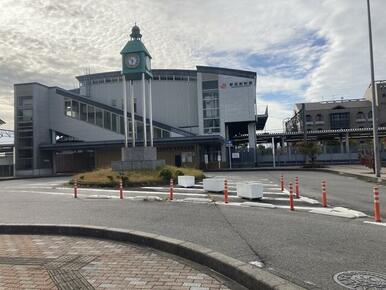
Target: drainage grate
{"x": 361, "y": 280}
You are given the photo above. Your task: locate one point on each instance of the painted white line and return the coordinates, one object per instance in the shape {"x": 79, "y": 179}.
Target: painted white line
{"x": 257, "y": 264}
{"x": 45, "y": 192}
{"x": 98, "y": 196}
{"x": 331, "y": 212}
{"x": 307, "y": 208}
{"x": 276, "y": 198}
{"x": 134, "y": 191}
{"x": 309, "y": 200}
{"x": 198, "y": 200}
{"x": 358, "y": 214}
{"x": 175, "y": 188}
{"x": 257, "y": 204}
{"x": 375, "y": 223}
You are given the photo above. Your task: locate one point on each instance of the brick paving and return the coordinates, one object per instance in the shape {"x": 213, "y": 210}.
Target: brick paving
{"x": 56, "y": 262}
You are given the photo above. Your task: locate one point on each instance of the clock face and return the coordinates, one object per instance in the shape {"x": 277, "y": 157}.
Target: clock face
{"x": 132, "y": 60}
{"x": 148, "y": 63}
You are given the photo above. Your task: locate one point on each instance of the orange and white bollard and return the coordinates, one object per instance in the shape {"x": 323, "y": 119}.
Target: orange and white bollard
{"x": 282, "y": 182}
{"x": 324, "y": 194}
{"x": 120, "y": 189}
{"x": 225, "y": 191}
{"x": 171, "y": 189}
{"x": 377, "y": 209}
{"x": 75, "y": 188}
{"x": 291, "y": 197}
{"x": 297, "y": 190}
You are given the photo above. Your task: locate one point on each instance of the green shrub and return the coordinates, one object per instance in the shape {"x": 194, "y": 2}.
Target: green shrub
{"x": 165, "y": 174}
{"x": 125, "y": 180}
{"x": 178, "y": 173}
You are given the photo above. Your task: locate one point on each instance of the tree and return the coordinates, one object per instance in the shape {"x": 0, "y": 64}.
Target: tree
{"x": 310, "y": 149}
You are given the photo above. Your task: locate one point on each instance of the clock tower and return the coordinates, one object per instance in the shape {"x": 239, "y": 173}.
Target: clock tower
{"x": 136, "y": 60}
{"x": 136, "y": 69}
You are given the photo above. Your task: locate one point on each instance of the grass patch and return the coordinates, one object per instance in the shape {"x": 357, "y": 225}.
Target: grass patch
{"x": 134, "y": 178}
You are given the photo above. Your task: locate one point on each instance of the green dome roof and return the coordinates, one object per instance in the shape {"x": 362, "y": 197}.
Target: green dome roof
{"x": 135, "y": 44}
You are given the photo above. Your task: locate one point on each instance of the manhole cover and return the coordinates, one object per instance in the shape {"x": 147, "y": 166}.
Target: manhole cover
{"x": 361, "y": 280}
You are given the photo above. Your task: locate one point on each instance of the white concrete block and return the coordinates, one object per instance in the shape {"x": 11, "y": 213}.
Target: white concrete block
{"x": 250, "y": 190}
{"x": 186, "y": 181}
{"x": 214, "y": 184}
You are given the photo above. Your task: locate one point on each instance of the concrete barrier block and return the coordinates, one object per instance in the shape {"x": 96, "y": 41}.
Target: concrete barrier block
{"x": 186, "y": 181}
{"x": 214, "y": 184}
{"x": 250, "y": 190}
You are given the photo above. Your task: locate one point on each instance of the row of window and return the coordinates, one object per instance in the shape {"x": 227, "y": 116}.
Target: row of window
{"x": 156, "y": 78}
{"x": 106, "y": 119}
{"x": 241, "y": 84}
{"x": 24, "y": 133}
{"x": 359, "y": 116}
{"x": 211, "y": 107}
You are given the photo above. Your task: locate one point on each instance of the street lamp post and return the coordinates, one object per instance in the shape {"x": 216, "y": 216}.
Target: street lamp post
{"x": 374, "y": 103}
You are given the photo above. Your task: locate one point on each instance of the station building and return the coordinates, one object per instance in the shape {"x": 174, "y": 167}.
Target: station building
{"x": 195, "y": 113}
{"x": 340, "y": 114}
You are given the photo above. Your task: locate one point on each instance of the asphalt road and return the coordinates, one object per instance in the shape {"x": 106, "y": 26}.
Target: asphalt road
{"x": 341, "y": 190}
{"x": 305, "y": 248}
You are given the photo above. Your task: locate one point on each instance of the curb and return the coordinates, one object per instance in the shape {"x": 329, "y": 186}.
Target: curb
{"x": 238, "y": 271}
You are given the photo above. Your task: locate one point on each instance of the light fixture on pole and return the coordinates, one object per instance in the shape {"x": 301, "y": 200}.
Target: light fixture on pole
{"x": 374, "y": 101}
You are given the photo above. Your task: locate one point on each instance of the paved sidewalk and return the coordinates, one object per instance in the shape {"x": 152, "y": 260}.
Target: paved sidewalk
{"x": 357, "y": 170}
{"x": 56, "y": 262}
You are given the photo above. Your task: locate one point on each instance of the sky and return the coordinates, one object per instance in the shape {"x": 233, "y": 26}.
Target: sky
{"x": 301, "y": 50}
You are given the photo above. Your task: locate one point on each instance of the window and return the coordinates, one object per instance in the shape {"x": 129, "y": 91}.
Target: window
{"x": 24, "y": 133}
{"x": 67, "y": 107}
{"x": 114, "y": 122}
{"x": 360, "y": 116}
{"x": 107, "y": 120}
{"x": 210, "y": 85}
{"x": 308, "y": 118}
{"x": 121, "y": 125}
{"x": 99, "y": 117}
{"x": 210, "y": 107}
{"x": 340, "y": 121}
{"x": 24, "y": 101}
{"x": 91, "y": 114}
{"x": 319, "y": 118}
{"x": 83, "y": 112}
{"x": 370, "y": 115}
{"x": 75, "y": 109}
{"x": 24, "y": 115}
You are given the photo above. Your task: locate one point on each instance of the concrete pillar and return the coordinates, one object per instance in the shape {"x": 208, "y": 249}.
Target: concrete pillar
{"x": 144, "y": 111}
{"x": 252, "y": 139}
{"x": 347, "y": 143}
{"x": 324, "y": 145}
{"x": 341, "y": 145}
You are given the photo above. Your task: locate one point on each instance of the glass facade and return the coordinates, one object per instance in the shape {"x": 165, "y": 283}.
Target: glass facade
{"x": 210, "y": 107}
{"x": 340, "y": 120}
{"x": 106, "y": 119}
{"x": 24, "y": 133}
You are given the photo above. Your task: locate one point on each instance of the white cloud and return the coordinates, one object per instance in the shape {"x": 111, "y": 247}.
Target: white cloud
{"x": 51, "y": 42}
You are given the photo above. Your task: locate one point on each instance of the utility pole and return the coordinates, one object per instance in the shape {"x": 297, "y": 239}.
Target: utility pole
{"x": 374, "y": 103}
